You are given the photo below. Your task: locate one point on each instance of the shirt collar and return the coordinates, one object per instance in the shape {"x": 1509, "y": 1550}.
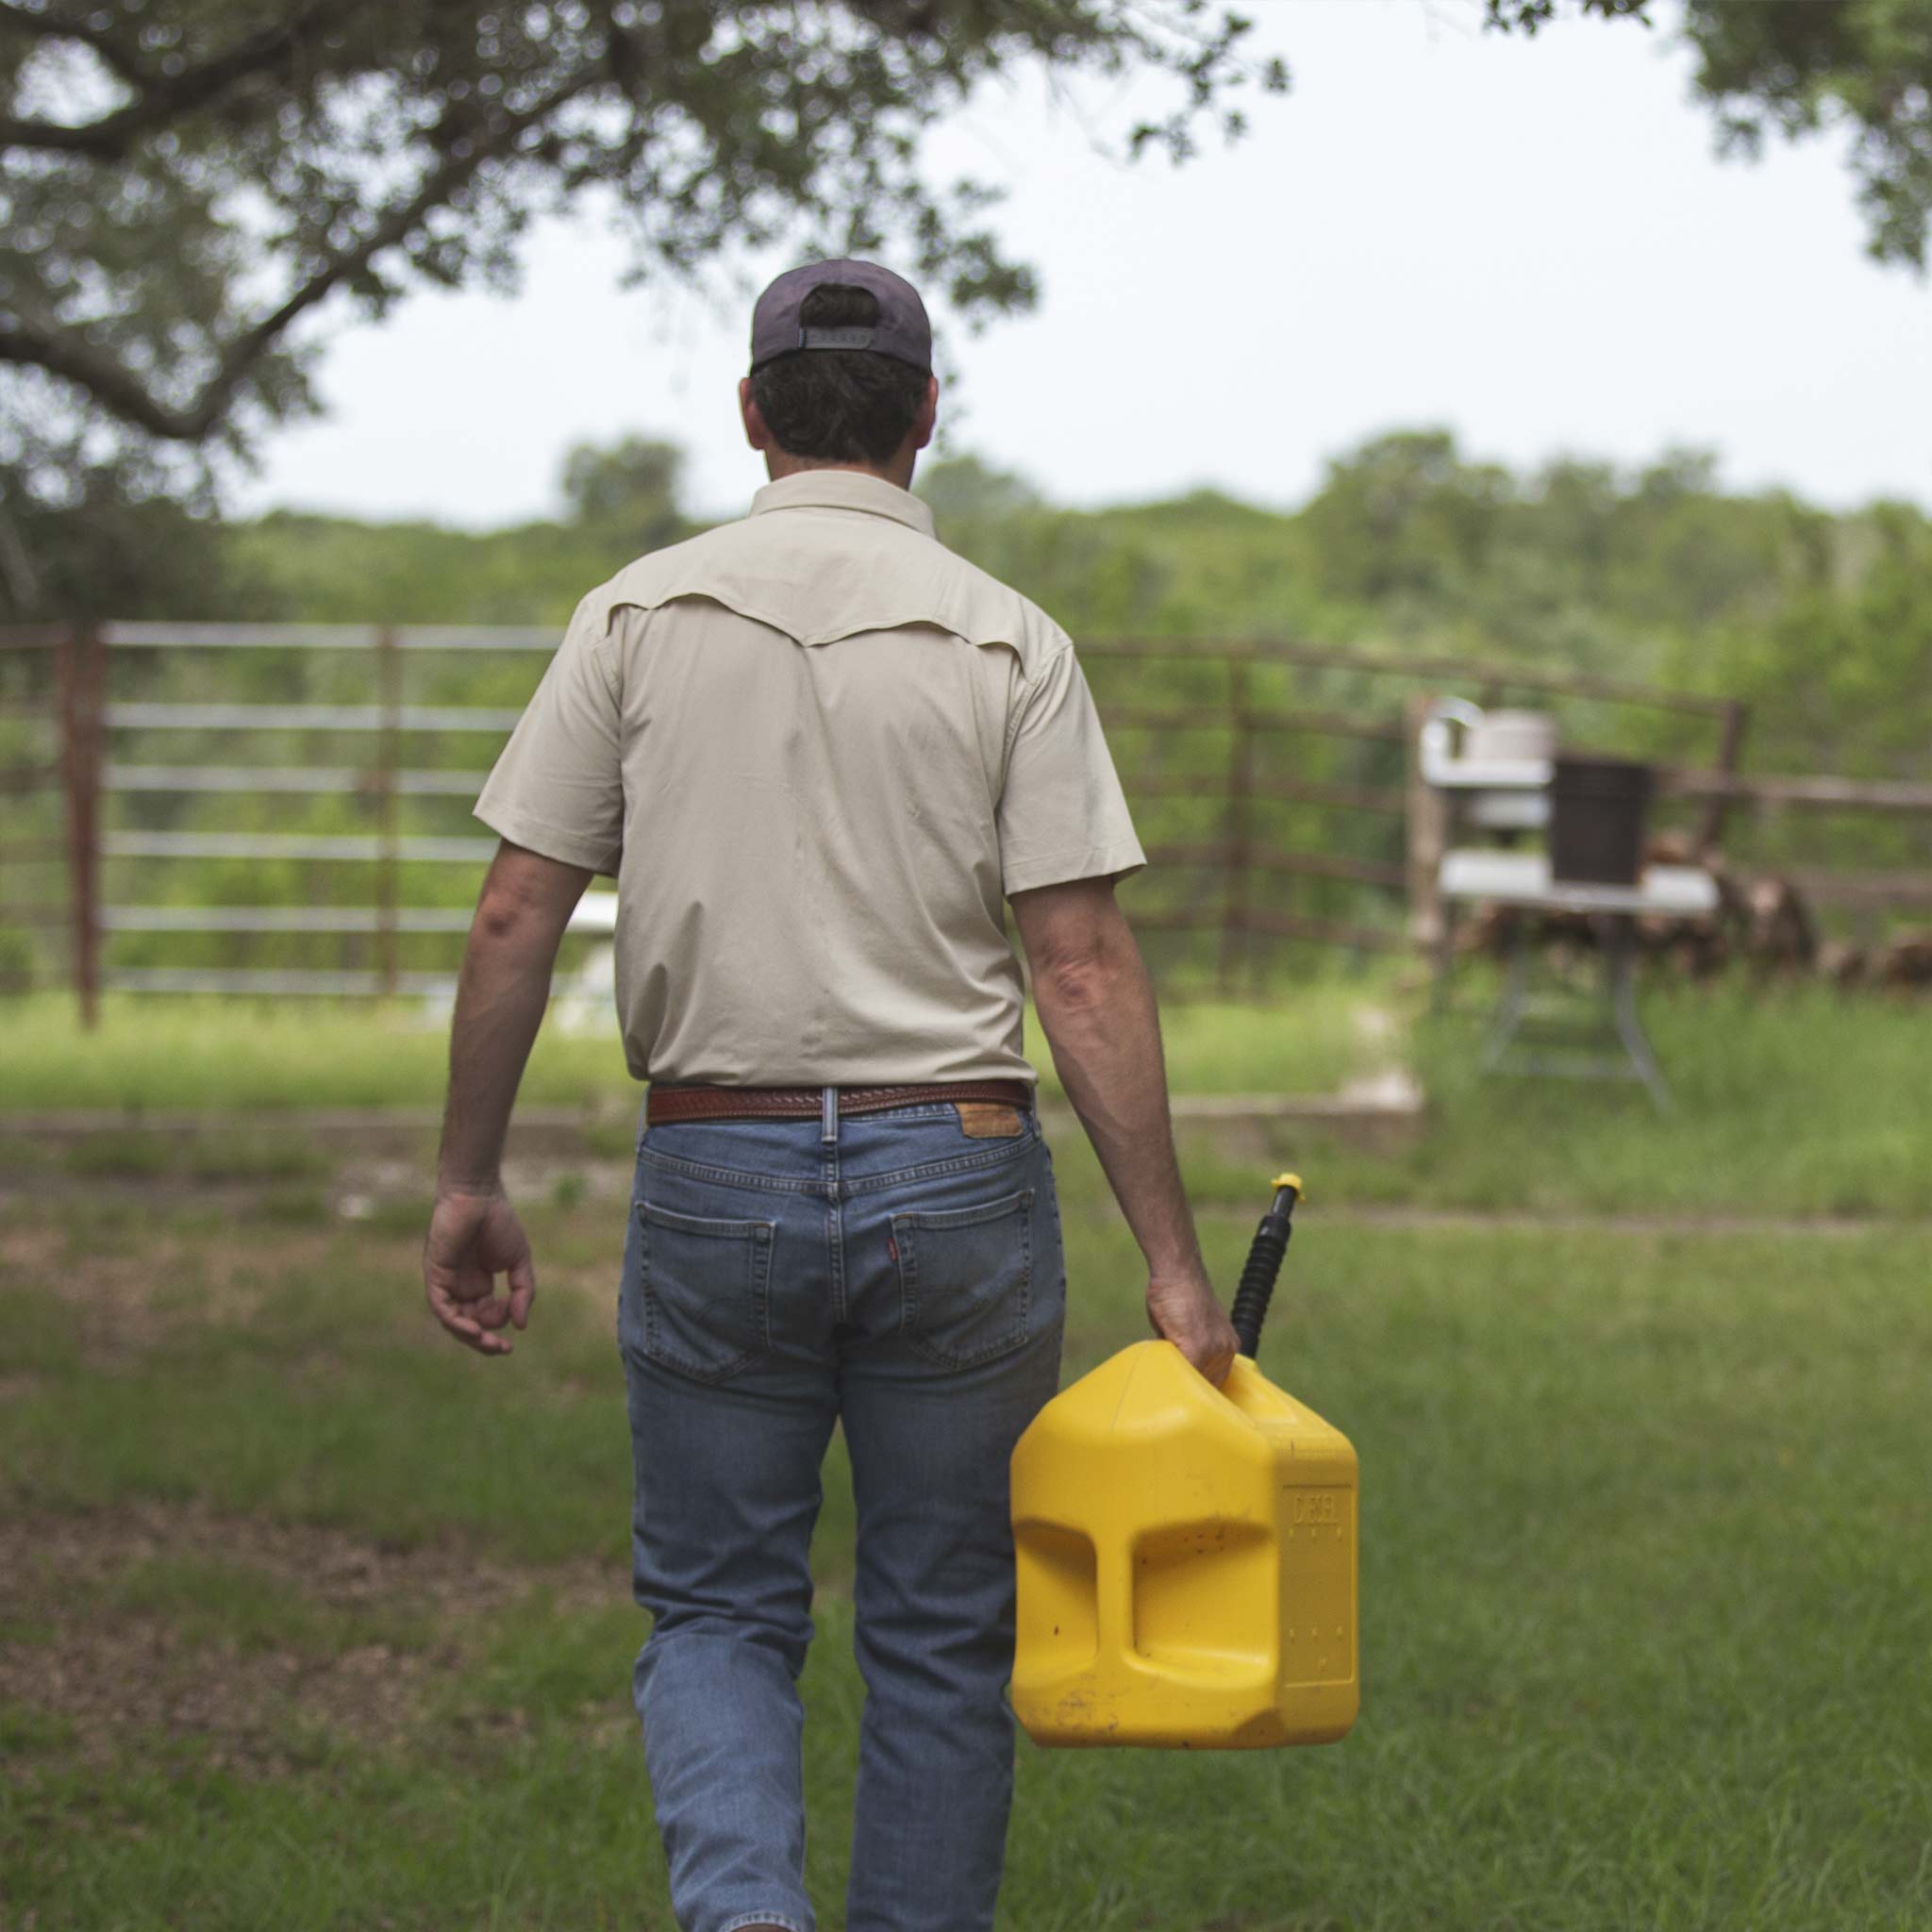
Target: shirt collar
{"x": 844, "y": 490}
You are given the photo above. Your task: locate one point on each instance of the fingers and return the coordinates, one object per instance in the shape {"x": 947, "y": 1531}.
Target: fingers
{"x": 1212, "y": 1355}
{"x": 523, "y": 1289}
{"x": 1187, "y": 1314}
{"x": 457, "y": 1320}
{"x": 472, "y": 1240}
{"x": 1216, "y": 1361}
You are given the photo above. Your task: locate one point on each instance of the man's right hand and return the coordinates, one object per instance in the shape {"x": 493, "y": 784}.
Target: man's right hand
{"x": 1185, "y": 1310}
{"x": 472, "y": 1238}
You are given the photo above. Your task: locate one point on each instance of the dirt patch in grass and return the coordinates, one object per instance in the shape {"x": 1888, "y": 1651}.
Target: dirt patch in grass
{"x": 122, "y": 1300}
{"x": 80, "y": 1640}
{"x": 118, "y": 1677}
{"x": 30, "y": 1247}
{"x": 330, "y": 1567}
{"x": 237, "y": 1273}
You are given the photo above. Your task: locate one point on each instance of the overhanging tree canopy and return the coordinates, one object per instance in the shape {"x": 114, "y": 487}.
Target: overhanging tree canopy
{"x": 185, "y": 184}
{"x": 1801, "y": 67}
{"x": 186, "y": 180}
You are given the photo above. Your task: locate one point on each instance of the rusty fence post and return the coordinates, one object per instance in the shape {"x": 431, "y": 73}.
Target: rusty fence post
{"x": 389, "y": 669}
{"x": 1240, "y": 781}
{"x": 1734, "y": 720}
{"x": 1427, "y": 824}
{"x": 82, "y": 661}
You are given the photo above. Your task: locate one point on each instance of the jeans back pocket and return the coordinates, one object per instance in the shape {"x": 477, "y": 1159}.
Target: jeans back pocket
{"x": 966, "y": 1279}
{"x": 704, "y": 1290}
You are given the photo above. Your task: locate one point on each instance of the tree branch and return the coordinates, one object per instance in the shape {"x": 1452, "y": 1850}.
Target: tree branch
{"x": 56, "y": 26}
{"x": 162, "y": 97}
{"x": 102, "y": 377}
{"x": 115, "y": 389}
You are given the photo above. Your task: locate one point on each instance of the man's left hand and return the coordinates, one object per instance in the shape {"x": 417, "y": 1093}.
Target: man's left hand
{"x": 472, "y": 1240}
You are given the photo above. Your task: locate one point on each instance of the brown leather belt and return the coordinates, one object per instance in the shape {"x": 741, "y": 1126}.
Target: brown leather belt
{"x": 666, "y": 1104}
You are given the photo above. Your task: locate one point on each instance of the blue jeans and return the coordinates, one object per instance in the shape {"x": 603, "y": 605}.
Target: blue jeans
{"x": 894, "y": 1273}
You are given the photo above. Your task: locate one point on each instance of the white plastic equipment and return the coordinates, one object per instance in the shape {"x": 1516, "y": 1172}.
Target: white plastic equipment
{"x": 1499, "y": 775}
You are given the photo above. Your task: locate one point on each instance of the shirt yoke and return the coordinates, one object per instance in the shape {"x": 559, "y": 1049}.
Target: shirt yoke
{"x": 818, "y": 576}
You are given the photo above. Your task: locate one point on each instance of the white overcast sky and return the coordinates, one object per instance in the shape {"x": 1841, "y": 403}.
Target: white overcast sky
{"x": 1532, "y": 243}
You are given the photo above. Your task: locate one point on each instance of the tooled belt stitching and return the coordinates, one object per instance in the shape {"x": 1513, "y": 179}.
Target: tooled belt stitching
{"x": 802, "y": 1103}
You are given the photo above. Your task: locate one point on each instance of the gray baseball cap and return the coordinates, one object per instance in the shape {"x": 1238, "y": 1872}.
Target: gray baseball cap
{"x": 902, "y": 329}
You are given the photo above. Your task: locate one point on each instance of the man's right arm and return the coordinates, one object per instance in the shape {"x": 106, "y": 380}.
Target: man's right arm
{"x": 1097, "y": 1009}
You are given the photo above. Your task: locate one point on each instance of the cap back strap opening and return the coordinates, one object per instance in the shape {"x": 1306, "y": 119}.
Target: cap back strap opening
{"x": 855, "y": 338}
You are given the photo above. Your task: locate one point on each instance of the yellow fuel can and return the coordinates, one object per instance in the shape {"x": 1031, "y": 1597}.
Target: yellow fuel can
{"x": 1187, "y": 1555}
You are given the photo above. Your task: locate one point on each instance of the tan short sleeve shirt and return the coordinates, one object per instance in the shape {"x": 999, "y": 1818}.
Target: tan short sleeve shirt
{"x": 816, "y": 749}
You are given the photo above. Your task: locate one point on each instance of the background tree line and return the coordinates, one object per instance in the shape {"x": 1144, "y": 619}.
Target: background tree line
{"x": 1821, "y": 619}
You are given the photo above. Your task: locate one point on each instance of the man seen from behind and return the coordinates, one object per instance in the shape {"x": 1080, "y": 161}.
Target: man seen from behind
{"x": 818, "y": 751}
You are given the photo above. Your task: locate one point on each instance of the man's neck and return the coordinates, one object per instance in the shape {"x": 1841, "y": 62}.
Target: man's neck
{"x": 781, "y": 463}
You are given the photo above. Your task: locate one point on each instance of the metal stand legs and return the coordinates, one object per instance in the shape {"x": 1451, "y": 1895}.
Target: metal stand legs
{"x": 1521, "y": 1019}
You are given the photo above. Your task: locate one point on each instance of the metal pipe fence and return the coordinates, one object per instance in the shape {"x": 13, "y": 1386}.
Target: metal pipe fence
{"x": 1237, "y": 820}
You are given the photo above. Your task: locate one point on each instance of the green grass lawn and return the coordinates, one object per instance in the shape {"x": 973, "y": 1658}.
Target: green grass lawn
{"x": 205, "y": 1056}
{"x": 308, "y": 1619}
{"x": 1791, "y": 1101}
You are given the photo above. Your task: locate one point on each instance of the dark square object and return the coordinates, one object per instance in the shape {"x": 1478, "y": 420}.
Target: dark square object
{"x": 1597, "y": 812}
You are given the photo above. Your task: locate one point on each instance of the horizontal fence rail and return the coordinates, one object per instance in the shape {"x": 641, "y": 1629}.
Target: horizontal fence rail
{"x": 1328, "y": 932}
{"x": 1215, "y": 718}
{"x": 367, "y": 847}
{"x": 318, "y": 779}
{"x": 1382, "y": 798}
{"x": 284, "y": 980}
{"x": 1316, "y": 865}
{"x": 282, "y": 919}
{"x": 173, "y": 717}
{"x": 1464, "y": 671}
{"x": 326, "y": 637}
{"x": 1862, "y": 889}
{"x": 1802, "y": 795}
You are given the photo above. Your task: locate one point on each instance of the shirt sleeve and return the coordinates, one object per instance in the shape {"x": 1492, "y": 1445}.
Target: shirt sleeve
{"x": 1062, "y": 814}
{"x": 559, "y": 786}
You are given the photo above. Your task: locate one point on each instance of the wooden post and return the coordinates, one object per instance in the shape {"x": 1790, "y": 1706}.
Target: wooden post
{"x": 82, "y": 676}
{"x": 1240, "y": 779}
{"x": 1730, "y": 746}
{"x": 389, "y": 671}
{"x": 1428, "y": 825}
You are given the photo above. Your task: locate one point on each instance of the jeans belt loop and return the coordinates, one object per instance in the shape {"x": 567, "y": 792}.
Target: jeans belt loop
{"x": 828, "y": 1117}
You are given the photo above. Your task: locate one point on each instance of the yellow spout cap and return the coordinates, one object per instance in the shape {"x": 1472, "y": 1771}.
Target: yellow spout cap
{"x": 1289, "y": 1180}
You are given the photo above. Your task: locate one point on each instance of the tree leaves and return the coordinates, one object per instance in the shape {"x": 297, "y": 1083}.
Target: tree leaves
{"x": 1799, "y": 67}
{"x": 185, "y": 183}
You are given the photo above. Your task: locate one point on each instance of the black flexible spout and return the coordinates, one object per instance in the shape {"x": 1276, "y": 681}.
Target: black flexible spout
{"x": 1265, "y": 1255}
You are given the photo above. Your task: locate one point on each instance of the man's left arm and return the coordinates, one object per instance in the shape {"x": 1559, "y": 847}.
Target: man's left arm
{"x": 502, "y": 991}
